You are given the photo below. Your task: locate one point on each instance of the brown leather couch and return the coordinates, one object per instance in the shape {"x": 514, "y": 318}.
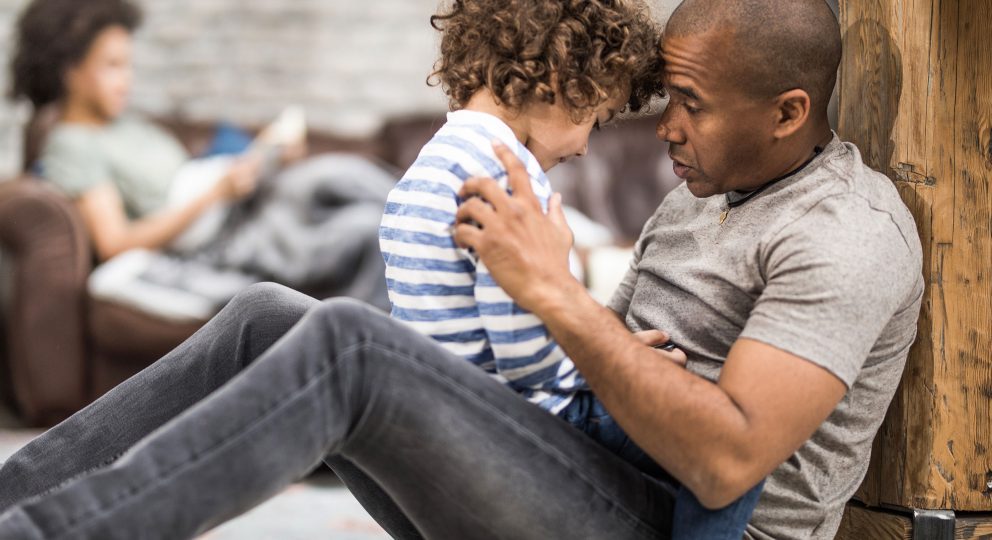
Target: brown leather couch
{"x": 62, "y": 348}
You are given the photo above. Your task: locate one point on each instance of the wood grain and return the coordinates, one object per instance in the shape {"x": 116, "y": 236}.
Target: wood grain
{"x": 861, "y": 523}
{"x": 864, "y": 524}
{"x": 916, "y": 98}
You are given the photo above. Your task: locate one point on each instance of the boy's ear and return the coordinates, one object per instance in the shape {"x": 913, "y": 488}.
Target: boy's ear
{"x": 792, "y": 110}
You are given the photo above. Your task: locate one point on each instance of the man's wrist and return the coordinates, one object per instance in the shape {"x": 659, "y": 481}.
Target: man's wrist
{"x": 557, "y": 299}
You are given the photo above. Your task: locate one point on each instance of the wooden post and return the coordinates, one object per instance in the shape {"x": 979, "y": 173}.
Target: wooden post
{"x": 916, "y": 98}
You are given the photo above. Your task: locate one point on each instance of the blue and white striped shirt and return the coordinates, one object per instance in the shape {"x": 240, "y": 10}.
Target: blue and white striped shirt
{"x": 442, "y": 291}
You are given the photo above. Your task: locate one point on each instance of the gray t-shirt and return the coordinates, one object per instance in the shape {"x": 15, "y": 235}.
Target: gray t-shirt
{"x": 826, "y": 265}
{"x": 136, "y": 156}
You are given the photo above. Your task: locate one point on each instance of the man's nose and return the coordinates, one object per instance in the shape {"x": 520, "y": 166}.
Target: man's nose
{"x": 583, "y": 150}
{"x": 668, "y": 129}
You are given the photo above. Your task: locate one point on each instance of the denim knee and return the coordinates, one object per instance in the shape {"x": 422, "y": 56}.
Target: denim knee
{"x": 265, "y": 291}
{"x": 343, "y": 313}
{"x": 266, "y": 299}
{"x": 344, "y": 323}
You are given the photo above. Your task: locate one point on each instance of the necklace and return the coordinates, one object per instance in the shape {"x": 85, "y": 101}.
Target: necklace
{"x": 737, "y": 198}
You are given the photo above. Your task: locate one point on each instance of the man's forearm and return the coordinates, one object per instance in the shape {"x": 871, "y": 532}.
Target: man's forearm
{"x": 689, "y": 425}
{"x": 719, "y": 439}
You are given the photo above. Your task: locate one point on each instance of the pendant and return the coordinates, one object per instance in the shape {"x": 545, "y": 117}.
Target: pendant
{"x": 723, "y": 216}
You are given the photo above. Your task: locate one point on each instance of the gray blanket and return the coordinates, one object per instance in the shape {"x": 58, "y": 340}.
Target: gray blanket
{"x": 312, "y": 227}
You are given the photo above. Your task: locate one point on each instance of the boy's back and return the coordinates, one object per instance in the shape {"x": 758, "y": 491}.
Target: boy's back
{"x": 439, "y": 288}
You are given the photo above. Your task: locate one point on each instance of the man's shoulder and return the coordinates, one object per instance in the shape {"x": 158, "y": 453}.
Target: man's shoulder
{"x": 851, "y": 196}
{"x": 852, "y": 224}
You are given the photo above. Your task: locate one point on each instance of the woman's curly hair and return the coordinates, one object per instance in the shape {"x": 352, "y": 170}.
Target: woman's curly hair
{"x": 54, "y": 35}
{"x": 583, "y": 52}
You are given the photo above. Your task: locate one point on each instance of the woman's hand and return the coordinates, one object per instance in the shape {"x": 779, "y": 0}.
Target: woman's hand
{"x": 293, "y": 152}
{"x": 241, "y": 179}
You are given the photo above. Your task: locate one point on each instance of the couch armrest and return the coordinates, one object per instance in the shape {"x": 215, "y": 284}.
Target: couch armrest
{"x": 44, "y": 242}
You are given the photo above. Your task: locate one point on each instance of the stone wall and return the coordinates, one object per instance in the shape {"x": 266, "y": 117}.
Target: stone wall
{"x": 351, "y": 64}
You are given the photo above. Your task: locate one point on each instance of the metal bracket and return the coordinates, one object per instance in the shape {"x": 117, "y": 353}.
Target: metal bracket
{"x": 933, "y": 524}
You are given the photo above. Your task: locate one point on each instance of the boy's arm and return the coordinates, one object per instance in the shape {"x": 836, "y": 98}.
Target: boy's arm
{"x": 525, "y": 353}
{"x": 430, "y": 280}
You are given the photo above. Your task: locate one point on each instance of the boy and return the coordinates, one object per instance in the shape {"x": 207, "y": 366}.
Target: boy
{"x": 536, "y": 76}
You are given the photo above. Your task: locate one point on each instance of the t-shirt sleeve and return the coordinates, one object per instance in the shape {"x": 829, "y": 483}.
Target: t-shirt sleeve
{"x": 834, "y": 279}
{"x": 72, "y": 162}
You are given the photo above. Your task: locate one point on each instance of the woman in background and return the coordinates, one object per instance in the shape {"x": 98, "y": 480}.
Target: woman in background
{"x": 312, "y": 227}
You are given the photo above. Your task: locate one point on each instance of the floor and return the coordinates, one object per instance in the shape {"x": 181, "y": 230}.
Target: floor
{"x": 319, "y": 507}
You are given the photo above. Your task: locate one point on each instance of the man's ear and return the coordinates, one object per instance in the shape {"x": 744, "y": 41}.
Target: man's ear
{"x": 792, "y": 112}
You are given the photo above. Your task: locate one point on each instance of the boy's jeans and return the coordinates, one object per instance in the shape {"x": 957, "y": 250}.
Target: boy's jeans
{"x": 277, "y": 382}
{"x": 691, "y": 520}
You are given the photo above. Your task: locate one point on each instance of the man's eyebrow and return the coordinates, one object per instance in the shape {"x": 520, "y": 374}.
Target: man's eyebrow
{"x": 685, "y": 91}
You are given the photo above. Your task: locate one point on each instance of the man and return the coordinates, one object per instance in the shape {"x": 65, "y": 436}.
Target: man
{"x": 787, "y": 272}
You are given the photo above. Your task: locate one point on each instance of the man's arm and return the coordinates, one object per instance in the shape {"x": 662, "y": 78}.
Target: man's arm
{"x": 717, "y": 439}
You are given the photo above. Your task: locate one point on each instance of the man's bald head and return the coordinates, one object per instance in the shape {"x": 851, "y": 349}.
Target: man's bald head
{"x": 777, "y": 45}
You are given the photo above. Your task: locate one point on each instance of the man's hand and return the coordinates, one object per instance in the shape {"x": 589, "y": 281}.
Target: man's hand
{"x": 653, "y": 338}
{"x": 719, "y": 439}
{"x": 525, "y": 250}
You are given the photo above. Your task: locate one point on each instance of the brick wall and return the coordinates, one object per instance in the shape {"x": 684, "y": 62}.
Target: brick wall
{"x": 11, "y": 117}
{"x": 350, "y": 63}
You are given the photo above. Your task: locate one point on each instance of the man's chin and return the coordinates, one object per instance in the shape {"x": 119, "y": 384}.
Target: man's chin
{"x": 700, "y": 188}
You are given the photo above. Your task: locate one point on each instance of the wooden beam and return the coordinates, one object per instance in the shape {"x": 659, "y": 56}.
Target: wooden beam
{"x": 862, "y": 523}
{"x": 916, "y": 98}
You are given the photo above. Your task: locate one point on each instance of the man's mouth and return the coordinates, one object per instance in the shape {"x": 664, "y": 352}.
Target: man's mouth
{"x": 681, "y": 169}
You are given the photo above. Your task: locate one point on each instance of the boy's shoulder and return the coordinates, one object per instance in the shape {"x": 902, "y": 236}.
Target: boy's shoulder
{"x": 463, "y": 146}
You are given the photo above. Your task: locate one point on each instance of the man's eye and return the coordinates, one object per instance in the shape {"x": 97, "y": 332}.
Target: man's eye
{"x": 690, "y": 109}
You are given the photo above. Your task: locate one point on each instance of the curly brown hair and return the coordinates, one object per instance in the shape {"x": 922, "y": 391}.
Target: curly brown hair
{"x": 584, "y": 51}
{"x": 54, "y": 35}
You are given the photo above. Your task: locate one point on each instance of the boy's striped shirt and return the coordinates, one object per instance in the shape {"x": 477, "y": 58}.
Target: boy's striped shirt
{"x": 442, "y": 291}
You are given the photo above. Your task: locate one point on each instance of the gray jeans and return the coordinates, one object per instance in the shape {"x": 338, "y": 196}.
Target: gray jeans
{"x": 278, "y": 382}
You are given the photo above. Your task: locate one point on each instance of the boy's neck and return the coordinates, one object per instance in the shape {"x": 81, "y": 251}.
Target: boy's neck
{"x": 76, "y": 112}
{"x": 483, "y": 101}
